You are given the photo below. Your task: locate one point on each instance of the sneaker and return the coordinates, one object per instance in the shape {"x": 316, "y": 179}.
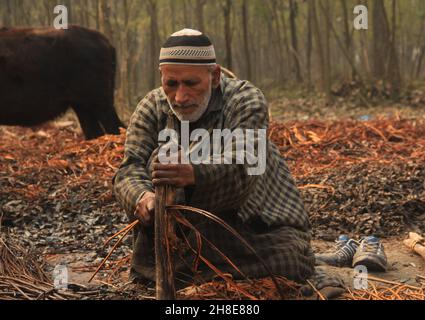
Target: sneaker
{"x": 371, "y": 254}
{"x": 345, "y": 249}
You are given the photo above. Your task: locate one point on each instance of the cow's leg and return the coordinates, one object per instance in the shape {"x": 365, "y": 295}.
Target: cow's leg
{"x": 110, "y": 121}
{"x": 88, "y": 123}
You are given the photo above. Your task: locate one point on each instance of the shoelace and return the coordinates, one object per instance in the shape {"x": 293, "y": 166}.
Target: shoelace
{"x": 371, "y": 247}
{"x": 346, "y": 251}
{"x": 339, "y": 244}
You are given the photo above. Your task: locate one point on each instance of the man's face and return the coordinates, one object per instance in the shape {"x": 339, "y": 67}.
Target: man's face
{"x": 188, "y": 89}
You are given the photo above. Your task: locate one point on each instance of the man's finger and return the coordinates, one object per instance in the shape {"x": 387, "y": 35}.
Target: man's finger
{"x": 164, "y": 181}
{"x": 142, "y": 217}
{"x": 155, "y": 159}
{"x": 145, "y": 216}
{"x": 151, "y": 206}
{"x": 165, "y": 167}
{"x": 158, "y": 174}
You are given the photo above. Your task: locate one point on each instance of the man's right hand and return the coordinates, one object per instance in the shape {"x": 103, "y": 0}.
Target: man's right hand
{"x": 146, "y": 208}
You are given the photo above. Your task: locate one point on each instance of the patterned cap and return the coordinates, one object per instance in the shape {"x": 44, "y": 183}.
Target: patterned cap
{"x": 187, "y": 46}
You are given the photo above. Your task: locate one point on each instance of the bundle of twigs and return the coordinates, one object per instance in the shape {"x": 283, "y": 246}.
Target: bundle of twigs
{"x": 174, "y": 211}
{"x": 258, "y": 289}
{"x": 22, "y": 276}
{"x": 391, "y": 291}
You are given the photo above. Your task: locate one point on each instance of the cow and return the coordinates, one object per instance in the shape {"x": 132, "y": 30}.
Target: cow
{"x": 44, "y": 71}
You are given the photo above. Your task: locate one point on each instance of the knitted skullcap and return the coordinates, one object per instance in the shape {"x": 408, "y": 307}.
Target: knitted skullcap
{"x": 187, "y": 46}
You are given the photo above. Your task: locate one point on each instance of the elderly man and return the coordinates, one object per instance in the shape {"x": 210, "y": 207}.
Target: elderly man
{"x": 265, "y": 208}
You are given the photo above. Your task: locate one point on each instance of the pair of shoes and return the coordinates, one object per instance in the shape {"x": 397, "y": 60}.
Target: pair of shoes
{"x": 369, "y": 252}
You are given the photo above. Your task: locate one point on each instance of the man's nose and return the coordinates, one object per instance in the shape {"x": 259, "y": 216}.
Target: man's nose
{"x": 181, "y": 96}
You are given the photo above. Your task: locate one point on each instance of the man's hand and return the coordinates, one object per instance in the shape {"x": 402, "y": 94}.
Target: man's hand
{"x": 146, "y": 208}
{"x": 179, "y": 175}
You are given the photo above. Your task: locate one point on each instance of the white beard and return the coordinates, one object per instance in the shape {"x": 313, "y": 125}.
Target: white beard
{"x": 197, "y": 114}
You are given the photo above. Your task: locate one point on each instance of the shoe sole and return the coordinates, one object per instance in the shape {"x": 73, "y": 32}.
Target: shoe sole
{"x": 371, "y": 266}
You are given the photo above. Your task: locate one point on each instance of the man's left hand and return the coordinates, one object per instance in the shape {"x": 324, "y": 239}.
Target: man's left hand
{"x": 179, "y": 175}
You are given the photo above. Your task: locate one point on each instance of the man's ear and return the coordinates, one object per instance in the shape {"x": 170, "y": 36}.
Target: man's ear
{"x": 160, "y": 74}
{"x": 216, "y": 76}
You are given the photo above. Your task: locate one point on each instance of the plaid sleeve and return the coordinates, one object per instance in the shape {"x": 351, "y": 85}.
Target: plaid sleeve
{"x": 223, "y": 187}
{"x": 133, "y": 179}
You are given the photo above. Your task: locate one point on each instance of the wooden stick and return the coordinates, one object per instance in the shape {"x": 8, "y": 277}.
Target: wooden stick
{"x": 131, "y": 225}
{"x": 112, "y": 250}
{"x": 369, "y": 277}
{"x": 164, "y": 230}
{"x": 315, "y": 290}
{"x": 165, "y": 289}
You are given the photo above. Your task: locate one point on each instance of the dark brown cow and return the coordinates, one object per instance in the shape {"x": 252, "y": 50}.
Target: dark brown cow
{"x": 44, "y": 71}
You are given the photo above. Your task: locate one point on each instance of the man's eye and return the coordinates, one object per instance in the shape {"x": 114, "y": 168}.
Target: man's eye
{"x": 171, "y": 83}
{"x": 190, "y": 83}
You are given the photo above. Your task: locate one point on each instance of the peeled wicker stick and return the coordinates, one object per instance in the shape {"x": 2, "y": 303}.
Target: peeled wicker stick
{"x": 130, "y": 226}
{"x": 127, "y": 230}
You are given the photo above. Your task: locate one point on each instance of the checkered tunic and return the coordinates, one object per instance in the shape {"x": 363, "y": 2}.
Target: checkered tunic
{"x": 265, "y": 209}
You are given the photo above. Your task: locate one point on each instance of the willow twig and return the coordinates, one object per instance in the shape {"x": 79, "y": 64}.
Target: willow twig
{"x": 110, "y": 252}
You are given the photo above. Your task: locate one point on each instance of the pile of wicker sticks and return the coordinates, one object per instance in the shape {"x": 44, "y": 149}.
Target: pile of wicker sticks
{"x": 387, "y": 290}
{"x": 22, "y": 275}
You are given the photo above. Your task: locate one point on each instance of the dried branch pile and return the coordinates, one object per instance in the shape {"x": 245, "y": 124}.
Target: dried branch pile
{"x": 22, "y": 275}
{"x": 314, "y": 146}
{"x": 261, "y": 289}
{"x": 390, "y": 291}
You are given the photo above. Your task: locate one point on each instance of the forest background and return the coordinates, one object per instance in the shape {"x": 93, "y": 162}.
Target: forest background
{"x": 286, "y": 47}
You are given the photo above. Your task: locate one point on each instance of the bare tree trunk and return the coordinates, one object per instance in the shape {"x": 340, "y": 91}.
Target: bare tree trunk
{"x": 98, "y": 8}
{"x": 309, "y": 46}
{"x": 23, "y": 16}
{"x": 393, "y": 68}
{"x": 294, "y": 40}
{"x": 69, "y": 6}
{"x": 385, "y": 58}
{"x": 328, "y": 66}
{"x": 124, "y": 45}
{"x": 275, "y": 34}
{"x": 48, "y": 12}
{"x": 200, "y": 14}
{"x": 173, "y": 16}
{"x": 154, "y": 42}
{"x": 419, "y": 65}
{"x": 325, "y": 81}
{"x": 287, "y": 47}
{"x": 186, "y": 13}
{"x": 15, "y": 14}
{"x": 347, "y": 37}
{"x": 394, "y": 21}
{"x": 380, "y": 39}
{"x": 227, "y": 8}
{"x": 8, "y": 14}
{"x": 104, "y": 10}
{"x": 247, "y": 49}
{"x": 346, "y": 54}
{"x": 83, "y": 16}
